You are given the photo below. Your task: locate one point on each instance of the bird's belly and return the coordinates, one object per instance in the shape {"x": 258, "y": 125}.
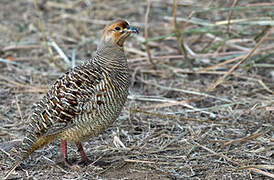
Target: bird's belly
{"x": 90, "y": 126}
{"x": 80, "y": 134}
{"x": 96, "y": 117}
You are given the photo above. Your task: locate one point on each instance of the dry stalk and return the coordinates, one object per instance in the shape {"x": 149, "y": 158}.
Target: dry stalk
{"x": 221, "y": 79}
{"x": 20, "y": 47}
{"x": 20, "y": 85}
{"x": 245, "y": 139}
{"x": 178, "y": 34}
{"x": 19, "y": 108}
{"x": 262, "y": 172}
{"x": 177, "y": 118}
{"x": 146, "y": 32}
{"x": 187, "y": 91}
{"x": 42, "y": 29}
{"x": 233, "y": 161}
{"x": 221, "y": 64}
{"x": 229, "y": 16}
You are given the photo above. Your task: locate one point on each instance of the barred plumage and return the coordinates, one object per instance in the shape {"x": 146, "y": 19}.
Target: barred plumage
{"x": 84, "y": 101}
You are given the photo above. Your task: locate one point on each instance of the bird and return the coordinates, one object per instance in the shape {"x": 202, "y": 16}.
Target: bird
{"x": 84, "y": 101}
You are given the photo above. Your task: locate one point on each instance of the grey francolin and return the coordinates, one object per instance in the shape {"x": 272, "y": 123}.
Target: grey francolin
{"x": 84, "y": 101}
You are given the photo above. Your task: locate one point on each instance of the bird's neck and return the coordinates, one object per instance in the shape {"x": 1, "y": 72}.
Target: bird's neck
{"x": 111, "y": 57}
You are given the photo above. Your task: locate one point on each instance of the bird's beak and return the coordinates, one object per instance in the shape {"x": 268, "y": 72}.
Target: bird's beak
{"x": 132, "y": 30}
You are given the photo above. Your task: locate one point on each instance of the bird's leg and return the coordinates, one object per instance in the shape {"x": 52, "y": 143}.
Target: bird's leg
{"x": 64, "y": 151}
{"x": 82, "y": 152}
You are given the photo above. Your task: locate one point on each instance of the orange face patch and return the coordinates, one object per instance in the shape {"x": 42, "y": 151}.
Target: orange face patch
{"x": 111, "y": 28}
{"x": 120, "y": 23}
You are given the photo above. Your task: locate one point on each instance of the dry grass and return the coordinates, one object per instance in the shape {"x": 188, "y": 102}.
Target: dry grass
{"x": 173, "y": 127}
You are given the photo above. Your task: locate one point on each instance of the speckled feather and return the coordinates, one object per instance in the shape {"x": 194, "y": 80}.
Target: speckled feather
{"x": 84, "y": 101}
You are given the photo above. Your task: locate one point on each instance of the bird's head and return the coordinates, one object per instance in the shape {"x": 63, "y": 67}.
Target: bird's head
{"x": 117, "y": 32}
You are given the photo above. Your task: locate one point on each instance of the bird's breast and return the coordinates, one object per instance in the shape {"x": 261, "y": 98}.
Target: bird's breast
{"x": 102, "y": 110}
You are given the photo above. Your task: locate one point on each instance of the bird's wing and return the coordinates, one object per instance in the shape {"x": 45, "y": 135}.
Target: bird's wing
{"x": 74, "y": 93}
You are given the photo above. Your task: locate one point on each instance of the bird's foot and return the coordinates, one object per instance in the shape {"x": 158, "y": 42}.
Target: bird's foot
{"x": 76, "y": 166}
{"x": 71, "y": 166}
{"x": 84, "y": 163}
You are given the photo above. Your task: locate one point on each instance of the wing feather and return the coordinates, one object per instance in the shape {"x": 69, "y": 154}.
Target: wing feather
{"x": 67, "y": 98}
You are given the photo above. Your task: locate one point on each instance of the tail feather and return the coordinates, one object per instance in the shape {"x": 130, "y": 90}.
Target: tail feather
{"x": 29, "y": 145}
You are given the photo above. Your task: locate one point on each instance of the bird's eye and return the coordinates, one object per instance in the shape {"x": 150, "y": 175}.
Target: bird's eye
{"x": 117, "y": 28}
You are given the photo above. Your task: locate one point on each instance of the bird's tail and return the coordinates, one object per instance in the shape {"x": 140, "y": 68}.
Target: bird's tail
{"x": 28, "y": 146}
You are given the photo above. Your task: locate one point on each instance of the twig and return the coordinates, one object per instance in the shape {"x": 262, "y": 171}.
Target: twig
{"x": 178, "y": 118}
{"x": 146, "y": 162}
{"x": 220, "y": 80}
{"x": 218, "y": 154}
{"x": 260, "y": 4}
{"x": 186, "y": 91}
{"x": 17, "y": 84}
{"x": 166, "y": 103}
{"x": 228, "y": 43}
{"x": 259, "y": 166}
{"x": 205, "y": 71}
{"x": 73, "y": 60}
{"x": 32, "y": 90}
{"x": 146, "y": 32}
{"x": 41, "y": 28}
{"x": 208, "y": 55}
{"x": 245, "y": 139}
{"x": 262, "y": 172}
{"x": 221, "y": 64}
{"x": 4, "y": 152}
{"x": 19, "y": 109}
{"x": 139, "y": 161}
{"x": 20, "y": 47}
{"x": 178, "y": 34}
{"x": 60, "y": 52}
{"x": 234, "y": 162}
{"x": 230, "y": 14}
{"x": 264, "y": 86}
{"x": 269, "y": 108}
{"x": 8, "y": 61}
{"x": 58, "y": 5}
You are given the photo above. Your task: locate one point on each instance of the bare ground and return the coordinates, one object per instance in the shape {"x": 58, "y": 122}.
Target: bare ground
{"x": 178, "y": 123}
